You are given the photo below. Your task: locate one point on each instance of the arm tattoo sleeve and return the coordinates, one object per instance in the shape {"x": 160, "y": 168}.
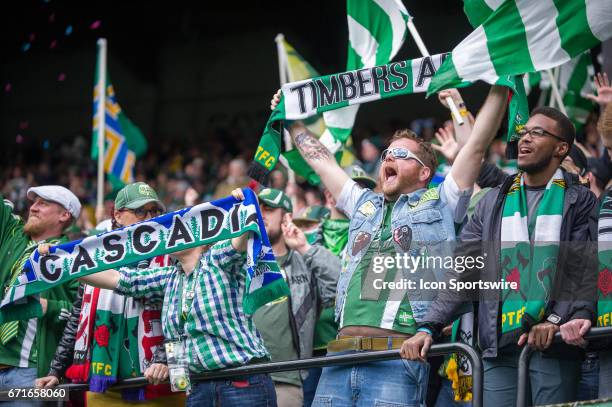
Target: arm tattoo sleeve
{"x": 311, "y": 148}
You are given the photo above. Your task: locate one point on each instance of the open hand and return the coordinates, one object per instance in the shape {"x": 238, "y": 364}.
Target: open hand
{"x": 604, "y": 90}
{"x": 448, "y": 147}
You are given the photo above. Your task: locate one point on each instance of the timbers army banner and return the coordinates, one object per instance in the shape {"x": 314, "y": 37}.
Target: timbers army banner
{"x": 303, "y": 99}
{"x": 206, "y": 223}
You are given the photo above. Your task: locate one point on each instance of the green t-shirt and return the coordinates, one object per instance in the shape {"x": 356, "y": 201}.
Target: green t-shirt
{"x": 387, "y": 311}
{"x": 272, "y": 322}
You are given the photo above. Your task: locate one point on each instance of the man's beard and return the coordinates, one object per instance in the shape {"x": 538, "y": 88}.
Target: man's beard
{"x": 275, "y": 236}
{"x": 537, "y": 166}
{"x": 32, "y": 228}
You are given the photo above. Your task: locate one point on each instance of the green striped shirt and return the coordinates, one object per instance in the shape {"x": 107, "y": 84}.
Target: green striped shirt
{"x": 216, "y": 333}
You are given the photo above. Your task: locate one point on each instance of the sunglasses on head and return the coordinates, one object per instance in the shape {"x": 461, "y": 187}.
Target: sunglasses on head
{"x": 400, "y": 153}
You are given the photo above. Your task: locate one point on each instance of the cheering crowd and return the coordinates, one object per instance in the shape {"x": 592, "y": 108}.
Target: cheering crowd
{"x": 183, "y": 313}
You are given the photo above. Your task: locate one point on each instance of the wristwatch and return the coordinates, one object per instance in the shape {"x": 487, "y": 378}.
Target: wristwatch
{"x": 554, "y": 318}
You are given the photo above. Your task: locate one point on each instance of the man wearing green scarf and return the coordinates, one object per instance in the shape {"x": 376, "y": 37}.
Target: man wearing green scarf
{"x": 524, "y": 220}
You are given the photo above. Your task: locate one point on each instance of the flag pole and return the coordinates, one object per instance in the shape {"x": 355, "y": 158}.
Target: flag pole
{"x": 100, "y": 115}
{"x": 555, "y": 91}
{"x": 421, "y": 45}
{"x": 282, "y": 73}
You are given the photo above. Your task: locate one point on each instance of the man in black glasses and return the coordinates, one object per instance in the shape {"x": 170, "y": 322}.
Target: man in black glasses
{"x": 402, "y": 220}
{"x": 531, "y": 223}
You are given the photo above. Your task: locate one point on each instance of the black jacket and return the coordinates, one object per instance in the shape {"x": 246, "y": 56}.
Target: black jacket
{"x": 574, "y": 279}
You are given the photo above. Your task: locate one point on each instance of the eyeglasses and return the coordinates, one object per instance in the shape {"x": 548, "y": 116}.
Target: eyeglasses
{"x": 537, "y": 132}
{"x": 400, "y": 154}
{"x": 141, "y": 213}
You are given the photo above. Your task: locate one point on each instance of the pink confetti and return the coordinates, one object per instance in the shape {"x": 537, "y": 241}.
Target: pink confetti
{"x": 52, "y": 18}
{"x": 53, "y": 44}
{"x": 95, "y": 25}
{"x": 19, "y": 139}
{"x": 7, "y": 87}
{"x": 61, "y": 77}
{"x": 32, "y": 37}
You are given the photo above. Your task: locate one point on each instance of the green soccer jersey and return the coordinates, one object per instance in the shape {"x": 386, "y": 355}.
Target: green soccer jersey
{"x": 380, "y": 308}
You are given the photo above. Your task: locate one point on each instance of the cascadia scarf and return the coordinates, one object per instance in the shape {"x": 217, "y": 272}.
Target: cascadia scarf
{"x": 116, "y": 339}
{"x": 531, "y": 265}
{"x": 206, "y": 223}
{"x": 604, "y": 248}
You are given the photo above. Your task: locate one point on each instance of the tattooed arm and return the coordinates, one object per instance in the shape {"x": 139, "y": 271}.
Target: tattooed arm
{"x": 320, "y": 160}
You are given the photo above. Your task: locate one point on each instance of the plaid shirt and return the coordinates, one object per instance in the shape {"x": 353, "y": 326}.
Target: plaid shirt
{"x": 216, "y": 332}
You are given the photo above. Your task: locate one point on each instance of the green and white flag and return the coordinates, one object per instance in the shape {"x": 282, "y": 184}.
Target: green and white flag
{"x": 575, "y": 81}
{"x": 523, "y": 36}
{"x": 303, "y": 99}
{"x": 377, "y": 30}
{"x": 296, "y": 68}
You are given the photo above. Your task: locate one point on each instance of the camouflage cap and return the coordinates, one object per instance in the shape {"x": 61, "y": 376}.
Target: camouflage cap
{"x": 310, "y": 215}
{"x": 275, "y": 198}
{"x": 361, "y": 177}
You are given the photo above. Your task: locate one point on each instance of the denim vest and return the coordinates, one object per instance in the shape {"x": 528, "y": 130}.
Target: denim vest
{"x": 425, "y": 213}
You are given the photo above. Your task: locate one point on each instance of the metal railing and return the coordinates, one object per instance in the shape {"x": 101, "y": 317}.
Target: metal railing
{"x": 349, "y": 359}
{"x": 527, "y": 352}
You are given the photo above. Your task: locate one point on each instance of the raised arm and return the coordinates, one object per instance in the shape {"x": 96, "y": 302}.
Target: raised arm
{"x": 108, "y": 279}
{"x": 467, "y": 164}
{"x": 316, "y": 155}
{"x": 320, "y": 160}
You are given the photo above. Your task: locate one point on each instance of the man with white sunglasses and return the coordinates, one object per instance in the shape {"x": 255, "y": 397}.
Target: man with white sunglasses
{"x": 385, "y": 225}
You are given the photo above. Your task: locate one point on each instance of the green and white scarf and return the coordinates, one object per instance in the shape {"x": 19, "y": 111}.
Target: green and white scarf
{"x": 604, "y": 248}
{"x": 309, "y": 97}
{"x": 531, "y": 266}
{"x": 206, "y": 223}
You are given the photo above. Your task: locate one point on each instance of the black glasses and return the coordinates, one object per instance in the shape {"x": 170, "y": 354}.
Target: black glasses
{"x": 400, "y": 154}
{"x": 141, "y": 213}
{"x": 537, "y": 132}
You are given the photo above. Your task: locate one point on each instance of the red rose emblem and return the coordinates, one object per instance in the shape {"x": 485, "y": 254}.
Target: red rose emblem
{"x": 604, "y": 282}
{"x": 515, "y": 277}
{"x": 102, "y": 335}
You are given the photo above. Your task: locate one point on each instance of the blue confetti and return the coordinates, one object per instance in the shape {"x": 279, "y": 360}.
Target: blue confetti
{"x": 68, "y": 30}
{"x": 26, "y": 46}
{"x": 46, "y": 144}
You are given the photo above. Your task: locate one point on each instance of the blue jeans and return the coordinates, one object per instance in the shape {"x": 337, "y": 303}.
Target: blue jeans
{"x": 256, "y": 390}
{"x": 310, "y": 385}
{"x": 605, "y": 374}
{"x": 552, "y": 380}
{"x": 588, "y": 388}
{"x": 396, "y": 382}
{"x": 18, "y": 377}
{"x": 446, "y": 397}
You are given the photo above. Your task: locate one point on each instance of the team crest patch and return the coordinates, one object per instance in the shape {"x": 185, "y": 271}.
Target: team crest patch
{"x": 368, "y": 209}
{"x": 429, "y": 195}
{"x": 361, "y": 240}
{"x": 403, "y": 237}
{"x": 145, "y": 190}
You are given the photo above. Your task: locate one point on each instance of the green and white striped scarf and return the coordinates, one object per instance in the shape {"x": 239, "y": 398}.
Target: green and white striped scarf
{"x": 532, "y": 265}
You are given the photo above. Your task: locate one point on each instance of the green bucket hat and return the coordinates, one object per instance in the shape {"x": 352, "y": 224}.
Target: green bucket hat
{"x": 275, "y": 198}
{"x": 311, "y": 215}
{"x": 136, "y": 195}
